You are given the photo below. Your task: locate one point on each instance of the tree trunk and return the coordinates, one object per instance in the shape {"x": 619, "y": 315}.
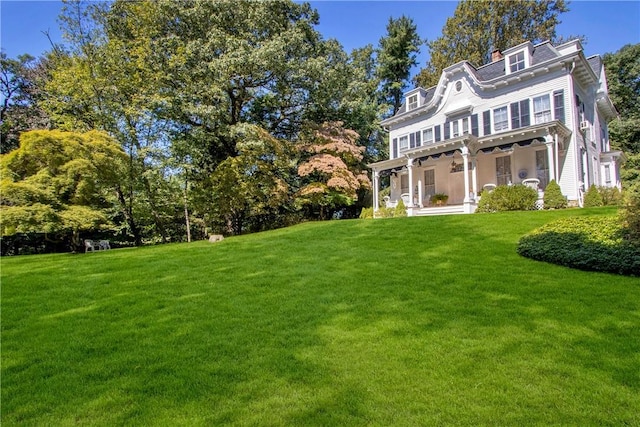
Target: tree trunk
{"x": 186, "y": 211}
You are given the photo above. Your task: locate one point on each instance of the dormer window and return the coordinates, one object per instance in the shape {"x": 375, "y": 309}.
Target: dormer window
{"x": 412, "y": 102}
{"x": 516, "y": 62}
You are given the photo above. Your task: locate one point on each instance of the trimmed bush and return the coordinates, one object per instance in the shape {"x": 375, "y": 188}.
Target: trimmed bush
{"x": 553, "y": 197}
{"x": 400, "y": 210}
{"x": 592, "y": 198}
{"x": 586, "y": 243}
{"x": 508, "y": 198}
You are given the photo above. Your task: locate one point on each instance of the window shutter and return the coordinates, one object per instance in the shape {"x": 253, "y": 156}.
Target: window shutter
{"x": 437, "y": 133}
{"x": 412, "y": 140}
{"x": 474, "y": 125}
{"x": 525, "y": 115}
{"x": 418, "y": 142}
{"x": 447, "y": 130}
{"x": 515, "y": 115}
{"x": 558, "y": 104}
{"x": 395, "y": 147}
{"x": 486, "y": 120}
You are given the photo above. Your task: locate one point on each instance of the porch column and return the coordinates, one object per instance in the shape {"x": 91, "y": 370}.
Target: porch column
{"x": 376, "y": 190}
{"x": 410, "y": 170}
{"x": 465, "y": 164}
{"x": 552, "y": 163}
{"x": 474, "y": 176}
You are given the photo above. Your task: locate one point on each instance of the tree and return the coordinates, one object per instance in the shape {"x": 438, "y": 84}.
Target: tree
{"x": 331, "y": 170}
{"x": 479, "y": 27}
{"x": 21, "y": 85}
{"x": 623, "y": 79}
{"x": 397, "y": 53}
{"x": 251, "y": 191}
{"x": 59, "y": 183}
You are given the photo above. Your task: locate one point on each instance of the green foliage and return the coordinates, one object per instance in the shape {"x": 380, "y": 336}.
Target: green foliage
{"x": 611, "y": 196}
{"x": 366, "y": 213}
{"x": 397, "y": 53}
{"x": 592, "y": 197}
{"x": 630, "y": 212}
{"x": 479, "y": 27}
{"x": 439, "y": 197}
{"x": 400, "y": 210}
{"x": 553, "y": 197}
{"x": 508, "y": 198}
{"x": 586, "y": 243}
{"x": 59, "y": 182}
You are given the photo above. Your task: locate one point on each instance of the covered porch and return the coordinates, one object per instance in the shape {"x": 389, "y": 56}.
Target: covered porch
{"x": 459, "y": 169}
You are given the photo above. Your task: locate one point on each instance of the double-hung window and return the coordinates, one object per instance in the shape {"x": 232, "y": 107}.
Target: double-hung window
{"x": 460, "y": 127}
{"x": 427, "y": 136}
{"x": 413, "y": 102}
{"x": 404, "y": 142}
{"x": 500, "y": 119}
{"x": 516, "y": 62}
{"x": 542, "y": 109}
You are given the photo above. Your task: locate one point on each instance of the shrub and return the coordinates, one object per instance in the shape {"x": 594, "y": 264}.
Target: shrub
{"x": 611, "y": 196}
{"x": 630, "y": 212}
{"x": 400, "y": 209}
{"x": 508, "y": 198}
{"x": 366, "y": 213}
{"x": 592, "y": 198}
{"x": 586, "y": 243}
{"x": 553, "y": 197}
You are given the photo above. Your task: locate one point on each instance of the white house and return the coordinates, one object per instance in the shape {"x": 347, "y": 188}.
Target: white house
{"x": 536, "y": 113}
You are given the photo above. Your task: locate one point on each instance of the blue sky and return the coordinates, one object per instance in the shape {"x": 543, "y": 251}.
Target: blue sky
{"x": 608, "y": 25}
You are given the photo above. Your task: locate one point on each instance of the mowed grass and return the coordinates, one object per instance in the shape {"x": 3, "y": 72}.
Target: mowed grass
{"x": 408, "y": 321}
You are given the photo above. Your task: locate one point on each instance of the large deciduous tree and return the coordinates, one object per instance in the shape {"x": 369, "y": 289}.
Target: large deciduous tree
{"x": 478, "y": 27}
{"x": 60, "y": 183}
{"x": 397, "y": 53}
{"x": 21, "y": 84}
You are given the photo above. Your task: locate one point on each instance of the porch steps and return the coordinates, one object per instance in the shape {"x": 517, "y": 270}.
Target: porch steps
{"x": 442, "y": 210}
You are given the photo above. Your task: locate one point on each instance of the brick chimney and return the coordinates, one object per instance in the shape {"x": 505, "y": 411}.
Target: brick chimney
{"x": 496, "y": 55}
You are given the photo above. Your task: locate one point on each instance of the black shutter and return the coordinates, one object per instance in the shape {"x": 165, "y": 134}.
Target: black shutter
{"x": 447, "y": 130}
{"x": 395, "y": 147}
{"x": 486, "y": 120}
{"x": 515, "y": 115}
{"x": 558, "y": 104}
{"x": 525, "y": 115}
{"x": 474, "y": 125}
{"x": 418, "y": 143}
{"x": 437, "y": 133}
{"x": 412, "y": 140}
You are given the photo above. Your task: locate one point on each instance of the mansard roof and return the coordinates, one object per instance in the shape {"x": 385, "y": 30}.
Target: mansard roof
{"x": 493, "y": 73}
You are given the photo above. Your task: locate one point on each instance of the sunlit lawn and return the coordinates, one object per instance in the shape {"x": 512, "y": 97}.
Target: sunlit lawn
{"x": 413, "y": 321}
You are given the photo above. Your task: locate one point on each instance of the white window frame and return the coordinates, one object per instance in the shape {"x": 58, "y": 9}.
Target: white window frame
{"x": 517, "y": 63}
{"x": 458, "y": 124}
{"x": 425, "y": 140}
{"x": 412, "y": 102}
{"x": 405, "y": 139}
{"x": 542, "y": 112}
{"x": 506, "y": 122}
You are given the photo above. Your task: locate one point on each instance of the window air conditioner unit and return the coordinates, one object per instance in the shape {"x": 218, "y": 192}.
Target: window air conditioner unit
{"x": 584, "y": 125}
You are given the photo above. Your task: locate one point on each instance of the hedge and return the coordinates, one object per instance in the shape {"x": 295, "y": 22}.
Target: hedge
{"x": 586, "y": 243}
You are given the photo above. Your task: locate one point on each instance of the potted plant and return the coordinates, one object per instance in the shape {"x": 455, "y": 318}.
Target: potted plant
{"x": 439, "y": 199}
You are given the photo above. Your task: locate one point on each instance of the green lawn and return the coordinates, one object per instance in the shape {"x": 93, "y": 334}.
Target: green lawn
{"x": 408, "y": 321}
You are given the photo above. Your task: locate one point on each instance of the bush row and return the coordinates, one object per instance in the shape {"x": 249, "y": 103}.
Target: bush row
{"x": 508, "y": 198}
{"x": 587, "y": 243}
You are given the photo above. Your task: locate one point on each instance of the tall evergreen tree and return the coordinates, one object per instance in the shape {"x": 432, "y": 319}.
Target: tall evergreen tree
{"x": 623, "y": 78}
{"x": 397, "y": 53}
{"x": 478, "y": 27}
